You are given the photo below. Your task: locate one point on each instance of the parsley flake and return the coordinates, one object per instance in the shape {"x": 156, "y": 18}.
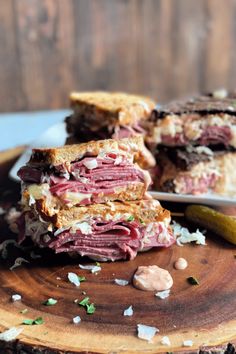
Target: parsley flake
{"x": 90, "y": 308}
{"x": 193, "y": 281}
{"x": 84, "y": 302}
{"x": 81, "y": 278}
{"x": 37, "y": 321}
{"x": 130, "y": 218}
{"x": 50, "y": 302}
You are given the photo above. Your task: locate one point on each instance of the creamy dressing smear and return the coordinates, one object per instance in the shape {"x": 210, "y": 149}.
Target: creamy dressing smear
{"x": 152, "y": 278}
{"x": 181, "y": 264}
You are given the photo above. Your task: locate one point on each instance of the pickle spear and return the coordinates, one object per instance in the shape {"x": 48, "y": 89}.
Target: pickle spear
{"x": 223, "y": 225}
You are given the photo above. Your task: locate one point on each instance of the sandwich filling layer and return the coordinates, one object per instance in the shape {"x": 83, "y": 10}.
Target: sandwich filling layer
{"x": 195, "y": 172}
{"x": 180, "y": 130}
{"x": 104, "y": 239}
{"x": 106, "y": 177}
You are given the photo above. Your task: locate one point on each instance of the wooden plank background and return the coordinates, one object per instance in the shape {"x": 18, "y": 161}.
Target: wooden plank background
{"x": 162, "y": 48}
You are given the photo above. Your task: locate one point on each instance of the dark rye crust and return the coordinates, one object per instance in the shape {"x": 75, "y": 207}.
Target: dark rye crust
{"x": 183, "y": 159}
{"x": 201, "y": 105}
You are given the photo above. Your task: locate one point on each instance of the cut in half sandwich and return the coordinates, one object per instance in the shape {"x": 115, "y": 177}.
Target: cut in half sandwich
{"x": 104, "y": 115}
{"x": 208, "y": 120}
{"x": 196, "y": 170}
{"x": 84, "y": 174}
{"x": 104, "y": 232}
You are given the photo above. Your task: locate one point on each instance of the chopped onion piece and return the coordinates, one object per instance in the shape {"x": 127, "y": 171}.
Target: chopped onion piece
{"x": 84, "y": 227}
{"x": 129, "y": 311}
{"x": 163, "y": 294}
{"x": 93, "y": 268}
{"x": 16, "y": 297}
{"x": 91, "y": 164}
{"x": 165, "y": 341}
{"x": 146, "y": 332}
{"x": 76, "y": 320}
{"x": 73, "y": 278}
{"x": 11, "y": 334}
{"x": 187, "y": 343}
{"x": 121, "y": 282}
{"x": 18, "y": 262}
{"x": 118, "y": 160}
{"x": 59, "y": 231}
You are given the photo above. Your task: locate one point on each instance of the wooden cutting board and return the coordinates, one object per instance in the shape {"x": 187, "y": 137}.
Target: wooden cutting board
{"x": 205, "y": 314}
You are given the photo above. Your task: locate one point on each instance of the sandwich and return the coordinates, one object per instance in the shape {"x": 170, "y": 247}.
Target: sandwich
{"x": 194, "y": 143}
{"x": 196, "y": 170}
{"x": 103, "y": 232}
{"x": 91, "y": 200}
{"x": 89, "y": 173}
{"x": 207, "y": 120}
{"x": 104, "y": 115}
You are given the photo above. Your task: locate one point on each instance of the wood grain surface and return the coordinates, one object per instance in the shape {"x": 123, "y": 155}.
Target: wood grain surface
{"x": 205, "y": 314}
{"x": 162, "y": 48}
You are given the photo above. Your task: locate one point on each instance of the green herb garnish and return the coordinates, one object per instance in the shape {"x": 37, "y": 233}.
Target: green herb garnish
{"x": 30, "y": 322}
{"x": 193, "y": 281}
{"x": 50, "y": 302}
{"x": 38, "y": 321}
{"x": 141, "y": 220}
{"x": 81, "y": 278}
{"x": 130, "y": 218}
{"x": 24, "y": 311}
{"x": 90, "y": 308}
{"x": 97, "y": 264}
{"x": 84, "y": 302}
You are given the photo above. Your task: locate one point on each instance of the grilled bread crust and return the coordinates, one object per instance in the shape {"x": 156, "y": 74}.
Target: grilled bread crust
{"x": 202, "y": 105}
{"x": 115, "y": 108}
{"x": 69, "y": 153}
{"x": 144, "y": 211}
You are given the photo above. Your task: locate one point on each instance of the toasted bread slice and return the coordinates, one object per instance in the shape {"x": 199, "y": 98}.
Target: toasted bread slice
{"x": 218, "y": 102}
{"x": 69, "y": 153}
{"x": 144, "y": 211}
{"x": 110, "y": 107}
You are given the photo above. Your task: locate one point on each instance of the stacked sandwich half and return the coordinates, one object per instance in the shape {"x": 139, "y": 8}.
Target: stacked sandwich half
{"x": 91, "y": 199}
{"x": 105, "y": 115}
{"x": 195, "y": 142}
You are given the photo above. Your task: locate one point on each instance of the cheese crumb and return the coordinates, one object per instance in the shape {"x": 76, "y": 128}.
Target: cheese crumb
{"x": 165, "y": 341}
{"x": 129, "y": 311}
{"x": 16, "y": 297}
{"x": 163, "y": 294}
{"x": 146, "y": 332}
{"x": 76, "y": 320}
